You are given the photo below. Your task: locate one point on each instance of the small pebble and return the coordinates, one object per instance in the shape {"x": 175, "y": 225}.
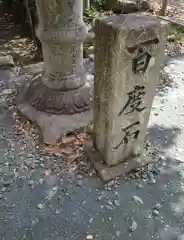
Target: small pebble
{"x": 110, "y": 203}
{"x": 40, "y": 206}
{"x": 158, "y": 206}
{"x": 138, "y": 199}
{"x": 111, "y": 183}
{"x": 144, "y": 176}
{"x": 151, "y": 178}
{"x": 55, "y": 188}
{"x": 152, "y": 181}
{"x": 41, "y": 180}
{"x": 30, "y": 182}
{"x": 118, "y": 233}
{"x": 133, "y": 226}
{"x": 61, "y": 180}
{"x": 79, "y": 183}
{"x": 1, "y": 196}
{"x": 90, "y": 220}
{"x": 100, "y": 198}
{"x": 79, "y": 177}
{"x": 116, "y": 203}
{"x": 116, "y": 186}
{"x": 57, "y": 211}
{"x": 34, "y": 222}
{"x": 89, "y": 237}
{"x": 139, "y": 185}
{"x": 108, "y": 207}
{"x": 3, "y": 189}
{"x": 155, "y": 212}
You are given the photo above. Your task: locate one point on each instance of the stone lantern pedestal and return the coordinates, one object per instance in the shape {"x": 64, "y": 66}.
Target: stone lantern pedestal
{"x": 64, "y": 89}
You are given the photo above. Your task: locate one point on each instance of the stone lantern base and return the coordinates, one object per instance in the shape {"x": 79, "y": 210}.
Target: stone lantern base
{"x": 54, "y": 126}
{"x": 58, "y": 102}
{"x": 59, "y": 99}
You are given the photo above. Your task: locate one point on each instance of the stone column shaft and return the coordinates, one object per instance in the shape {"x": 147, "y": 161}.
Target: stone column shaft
{"x": 62, "y": 32}
{"x": 63, "y": 88}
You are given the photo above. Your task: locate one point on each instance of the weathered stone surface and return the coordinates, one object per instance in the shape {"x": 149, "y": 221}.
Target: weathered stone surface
{"x": 129, "y": 52}
{"x": 63, "y": 88}
{"x": 58, "y": 102}
{"x": 6, "y": 61}
{"x": 105, "y": 172}
{"x": 9, "y": 73}
{"x": 127, "y": 6}
{"x": 33, "y": 69}
{"x": 54, "y": 126}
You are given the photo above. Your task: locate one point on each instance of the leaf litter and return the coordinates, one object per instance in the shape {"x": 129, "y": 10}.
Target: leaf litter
{"x": 68, "y": 150}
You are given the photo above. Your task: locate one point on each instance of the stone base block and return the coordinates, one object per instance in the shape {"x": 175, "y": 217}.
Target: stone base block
{"x": 108, "y": 173}
{"x": 54, "y": 126}
{"x": 6, "y": 61}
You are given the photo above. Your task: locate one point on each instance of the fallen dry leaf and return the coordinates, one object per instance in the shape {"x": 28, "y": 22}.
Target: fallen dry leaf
{"x": 52, "y": 148}
{"x": 77, "y": 142}
{"x": 66, "y": 140}
{"x": 67, "y": 150}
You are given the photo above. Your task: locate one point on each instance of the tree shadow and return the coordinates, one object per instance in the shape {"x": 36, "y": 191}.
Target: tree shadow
{"x": 169, "y": 192}
{"x": 168, "y": 69}
{"x": 162, "y": 136}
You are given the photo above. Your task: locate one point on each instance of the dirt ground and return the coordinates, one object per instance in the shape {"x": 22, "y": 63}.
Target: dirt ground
{"x": 15, "y": 40}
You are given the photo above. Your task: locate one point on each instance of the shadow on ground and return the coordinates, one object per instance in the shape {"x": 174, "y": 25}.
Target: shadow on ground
{"x": 166, "y": 76}
{"x": 73, "y": 211}
{"x": 163, "y": 137}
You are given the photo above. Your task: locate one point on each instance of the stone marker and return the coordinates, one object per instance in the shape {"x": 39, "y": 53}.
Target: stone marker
{"x": 128, "y": 55}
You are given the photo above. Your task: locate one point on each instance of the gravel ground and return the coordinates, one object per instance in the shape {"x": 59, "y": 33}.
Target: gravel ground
{"x": 167, "y": 118}
{"x": 39, "y": 201}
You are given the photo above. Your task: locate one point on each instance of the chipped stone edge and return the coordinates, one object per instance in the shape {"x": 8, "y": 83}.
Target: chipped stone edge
{"x": 108, "y": 173}
{"x": 55, "y": 126}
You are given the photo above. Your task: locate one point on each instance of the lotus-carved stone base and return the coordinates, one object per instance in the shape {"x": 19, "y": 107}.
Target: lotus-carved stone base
{"x": 57, "y": 101}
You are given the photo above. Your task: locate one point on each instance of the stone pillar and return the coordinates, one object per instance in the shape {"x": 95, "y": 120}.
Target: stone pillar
{"x": 63, "y": 88}
{"x": 128, "y": 55}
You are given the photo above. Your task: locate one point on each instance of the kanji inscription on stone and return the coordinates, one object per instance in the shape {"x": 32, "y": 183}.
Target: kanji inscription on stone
{"x": 141, "y": 62}
{"x": 129, "y": 134}
{"x": 128, "y": 56}
{"x": 135, "y": 101}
